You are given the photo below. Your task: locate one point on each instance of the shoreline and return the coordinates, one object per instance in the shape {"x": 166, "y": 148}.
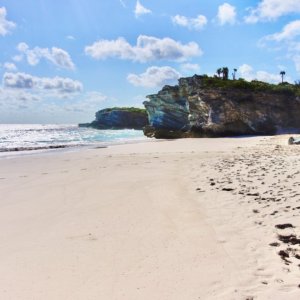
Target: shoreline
{"x": 21, "y": 139}
{"x": 68, "y": 148}
{"x": 154, "y": 220}
{"x": 57, "y": 149}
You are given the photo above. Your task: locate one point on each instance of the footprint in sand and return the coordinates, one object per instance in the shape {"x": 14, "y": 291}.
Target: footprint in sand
{"x": 284, "y": 226}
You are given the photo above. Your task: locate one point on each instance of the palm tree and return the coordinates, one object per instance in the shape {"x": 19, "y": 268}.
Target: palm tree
{"x": 234, "y": 73}
{"x": 219, "y": 72}
{"x": 225, "y": 72}
{"x": 282, "y": 73}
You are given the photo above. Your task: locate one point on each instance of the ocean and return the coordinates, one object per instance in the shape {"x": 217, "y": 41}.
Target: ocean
{"x": 28, "y": 137}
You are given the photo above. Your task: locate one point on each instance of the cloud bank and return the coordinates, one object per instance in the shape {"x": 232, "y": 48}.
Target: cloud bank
{"x": 60, "y": 85}
{"x": 147, "y": 49}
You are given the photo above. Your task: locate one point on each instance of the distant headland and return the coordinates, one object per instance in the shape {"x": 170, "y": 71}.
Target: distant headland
{"x": 119, "y": 118}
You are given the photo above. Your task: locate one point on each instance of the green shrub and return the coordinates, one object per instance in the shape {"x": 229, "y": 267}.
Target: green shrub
{"x": 255, "y": 85}
{"x": 129, "y": 109}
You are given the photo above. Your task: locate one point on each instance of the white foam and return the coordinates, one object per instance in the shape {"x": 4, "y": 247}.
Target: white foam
{"x": 22, "y": 137}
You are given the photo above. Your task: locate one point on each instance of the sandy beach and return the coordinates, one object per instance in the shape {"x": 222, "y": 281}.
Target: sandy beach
{"x": 184, "y": 219}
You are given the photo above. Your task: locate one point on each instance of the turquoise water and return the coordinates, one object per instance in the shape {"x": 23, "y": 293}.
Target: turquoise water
{"x": 24, "y": 137}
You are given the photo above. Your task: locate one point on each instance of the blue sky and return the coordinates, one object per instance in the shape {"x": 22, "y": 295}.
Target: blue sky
{"x": 61, "y": 61}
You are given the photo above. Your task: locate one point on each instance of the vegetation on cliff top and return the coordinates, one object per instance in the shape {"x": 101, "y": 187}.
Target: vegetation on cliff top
{"x": 128, "y": 109}
{"x": 254, "y": 85}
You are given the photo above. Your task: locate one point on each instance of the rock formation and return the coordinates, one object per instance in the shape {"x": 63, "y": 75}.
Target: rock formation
{"x": 119, "y": 118}
{"x": 201, "y": 106}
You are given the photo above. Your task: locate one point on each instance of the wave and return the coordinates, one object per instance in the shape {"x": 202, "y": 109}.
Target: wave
{"x": 14, "y": 149}
{"x": 28, "y": 137}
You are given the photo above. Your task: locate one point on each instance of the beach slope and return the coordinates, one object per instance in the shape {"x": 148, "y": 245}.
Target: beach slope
{"x": 155, "y": 220}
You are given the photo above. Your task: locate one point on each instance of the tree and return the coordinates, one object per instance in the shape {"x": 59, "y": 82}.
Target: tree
{"x": 225, "y": 72}
{"x": 219, "y": 72}
{"x": 282, "y": 73}
{"x": 234, "y": 73}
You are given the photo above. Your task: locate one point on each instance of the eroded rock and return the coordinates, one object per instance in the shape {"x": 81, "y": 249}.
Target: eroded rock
{"x": 193, "y": 108}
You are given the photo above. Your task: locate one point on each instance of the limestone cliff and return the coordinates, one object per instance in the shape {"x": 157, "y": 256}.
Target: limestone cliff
{"x": 119, "y": 118}
{"x": 203, "y": 106}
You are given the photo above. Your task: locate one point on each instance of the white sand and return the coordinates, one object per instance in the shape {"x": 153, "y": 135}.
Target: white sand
{"x": 127, "y": 222}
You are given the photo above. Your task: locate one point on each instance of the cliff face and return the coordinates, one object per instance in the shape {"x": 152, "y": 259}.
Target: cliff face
{"x": 119, "y": 118}
{"x": 196, "y": 109}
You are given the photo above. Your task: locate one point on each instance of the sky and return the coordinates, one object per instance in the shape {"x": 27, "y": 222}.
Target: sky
{"x": 61, "y": 61}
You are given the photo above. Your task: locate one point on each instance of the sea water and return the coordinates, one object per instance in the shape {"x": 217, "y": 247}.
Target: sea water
{"x": 25, "y": 137}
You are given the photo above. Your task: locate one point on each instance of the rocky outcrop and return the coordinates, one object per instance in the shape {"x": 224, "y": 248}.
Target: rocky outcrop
{"x": 119, "y": 118}
{"x": 202, "y": 107}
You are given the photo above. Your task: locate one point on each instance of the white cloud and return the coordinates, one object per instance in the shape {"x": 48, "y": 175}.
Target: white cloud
{"x": 59, "y": 85}
{"x": 15, "y": 99}
{"x": 20, "y": 90}
{"x": 289, "y": 31}
{"x": 57, "y": 56}
{"x": 268, "y": 10}
{"x": 147, "y": 49}
{"x": 248, "y": 73}
{"x": 10, "y": 66}
{"x": 285, "y": 40}
{"x": 70, "y": 37}
{"x": 5, "y": 25}
{"x": 18, "y": 80}
{"x": 197, "y": 23}
{"x": 22, "y": 47}
{"x": 188, "y": 67}
{"x": 17, "y": 58}
{"x": 226, "y": 14}
{"x": 61, "y": 58}
{"x": 154, "y": 77}
{"x": 295, "y": 57}
{"x": 11, "y": 96}
{"x": 268, "y": 77}
{"x": 180, "y": 20}
{"x": 90, "y": 101}
{"x": 140, "y": 10}
{"x": 94, "y": 97}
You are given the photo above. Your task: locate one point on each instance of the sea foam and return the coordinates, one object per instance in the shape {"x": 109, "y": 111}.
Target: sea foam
{"x": 24, "y": 137}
